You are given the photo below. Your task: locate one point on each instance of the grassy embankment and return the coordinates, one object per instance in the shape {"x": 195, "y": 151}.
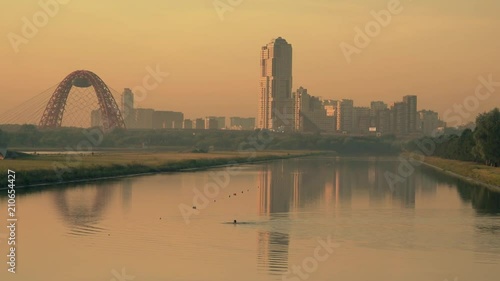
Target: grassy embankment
{"x": 470, "y": 171}
{"x": 51, "y": 169}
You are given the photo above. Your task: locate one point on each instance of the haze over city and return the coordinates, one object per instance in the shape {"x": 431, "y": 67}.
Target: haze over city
{"x": 234, "y": 140}
{"x": 436, "y": 50}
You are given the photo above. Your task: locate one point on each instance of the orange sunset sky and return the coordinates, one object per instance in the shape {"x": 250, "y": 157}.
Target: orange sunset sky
{"x": 434, "y": 49}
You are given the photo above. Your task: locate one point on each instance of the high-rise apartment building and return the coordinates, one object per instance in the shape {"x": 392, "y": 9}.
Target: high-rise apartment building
{"x": 411, "y": 113}
{"x": 199, "y": 123}
{"x": 211, "y": 123}
{"x": 311, "y": 114}
{"x": 188, "y": 124}
{"x": 276, "y": 108}
{"x": 361, "y": 120}
{"x": 377, "y": 116}
{"x": 429, "y": 122}
{"x": 127, "y": 107}
{"x": 96, "y": 118}
{"x": 399, "y": 116}
{"x": 345, "y": 115}
{"x": 331, "y": 108}
{"x": 143, "y": 118}
{"x": 168, "y": 120}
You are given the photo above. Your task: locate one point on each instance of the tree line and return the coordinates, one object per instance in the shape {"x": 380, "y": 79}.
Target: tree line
{"x": 480, "y": 145}
{"x": 29, "y": 136}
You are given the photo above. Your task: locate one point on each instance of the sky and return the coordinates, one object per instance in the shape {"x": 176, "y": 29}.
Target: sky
{"x": 436, "y": 50}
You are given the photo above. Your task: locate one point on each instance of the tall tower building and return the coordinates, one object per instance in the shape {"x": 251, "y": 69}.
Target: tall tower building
{"x": 276, "y": 110}
{"x": 411, "y": 112}
{"x": 127, "y": 107}
{"x": 400, "y": 118}
{"x": 345, "y": 112}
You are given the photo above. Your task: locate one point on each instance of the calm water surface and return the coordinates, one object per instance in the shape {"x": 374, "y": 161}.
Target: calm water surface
{"x": 430, "y": 227}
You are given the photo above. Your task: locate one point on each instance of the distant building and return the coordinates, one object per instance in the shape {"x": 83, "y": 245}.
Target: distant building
{"x": 310, "y": 114}
{"x": 411, "y": 113}
{"x": 276, "y": 107}
{"x": 240, "y": 123}
{"x": 331, "y": 107}
{"x": 361, "y": 120}
{"x": 199, "y": 124}
{"x": 188, "y": 124}
{"x": 429, "y": 122}
{"x": 377, "y": 105}
{"x": 221, "y": 122}
{"x": 96, "y": 118}
{"x": 143, "y": 118}
{"x": 399, "y": 117}
{"x": 345, "y": 115}
{"x": 211, "y": 123}
{"x": 378, "y": 116}
{"x": 383, "y": 121}
{"x": 168, "y": 120}
{"x": 127, "y": 107}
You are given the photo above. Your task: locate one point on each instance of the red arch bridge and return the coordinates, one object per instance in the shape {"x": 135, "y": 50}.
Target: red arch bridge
{"x": 74, "y": 102}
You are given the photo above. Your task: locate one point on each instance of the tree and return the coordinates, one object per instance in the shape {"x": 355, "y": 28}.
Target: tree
{"x": 487, "y": 137}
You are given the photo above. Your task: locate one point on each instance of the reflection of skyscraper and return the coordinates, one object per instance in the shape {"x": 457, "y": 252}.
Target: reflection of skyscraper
{"x": 276, "y": 186}
{"x": 272, "y": 252}
{"x": 275, "y": 100}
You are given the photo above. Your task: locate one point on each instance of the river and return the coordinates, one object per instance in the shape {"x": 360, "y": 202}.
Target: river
{"x": 316, "y": 218}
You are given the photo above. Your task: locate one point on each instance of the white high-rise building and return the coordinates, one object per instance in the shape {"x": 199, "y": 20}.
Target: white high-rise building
{"x": 276, "y": 109}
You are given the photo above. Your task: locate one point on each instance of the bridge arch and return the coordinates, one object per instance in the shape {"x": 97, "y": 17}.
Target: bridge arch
{"x": 54, "y": 111}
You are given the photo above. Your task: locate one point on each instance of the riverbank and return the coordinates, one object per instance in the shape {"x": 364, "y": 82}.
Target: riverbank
{"x": 55, "y": 169}
{"x": 483, "y": 175}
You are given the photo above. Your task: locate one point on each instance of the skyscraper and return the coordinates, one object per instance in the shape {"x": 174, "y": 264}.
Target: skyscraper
{"x": 127, "y": 107}
{"x": 411, "y": 112}
{"x": 276, "y": 110}
{"x": 345, "y": 115}
{"x": 400, "y": 118}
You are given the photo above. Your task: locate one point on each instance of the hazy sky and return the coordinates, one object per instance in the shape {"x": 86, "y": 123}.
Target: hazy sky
{"x": 434, "y": 49}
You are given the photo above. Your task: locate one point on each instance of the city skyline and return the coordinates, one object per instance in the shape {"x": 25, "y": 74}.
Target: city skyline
{"x": 222, "y": 59}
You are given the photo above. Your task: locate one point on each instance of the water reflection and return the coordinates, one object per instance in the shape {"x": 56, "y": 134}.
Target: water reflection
{"x": 428, "y": 225}
{"x": 483, "y": 200}
{"x": 272, "y": 251}
{"x": 291, "y": 185}
{"x": 126, "y": 189}
{"x": 277, "y": 195}
{"x": 82, "y": 208}
{"x": 294, "y": 186}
